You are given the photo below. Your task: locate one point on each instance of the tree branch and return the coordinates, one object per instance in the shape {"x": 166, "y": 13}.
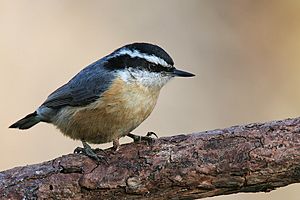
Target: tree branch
{"x": 250, "y": 158}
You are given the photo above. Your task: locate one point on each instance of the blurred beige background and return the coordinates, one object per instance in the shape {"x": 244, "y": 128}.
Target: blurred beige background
{"x": 245, "y": 54}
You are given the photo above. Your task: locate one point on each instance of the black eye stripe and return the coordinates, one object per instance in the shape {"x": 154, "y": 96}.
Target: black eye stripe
{"x": 158, "y": 68}
{"x": 126, "y": 61}
{"x": 149, "y": 49}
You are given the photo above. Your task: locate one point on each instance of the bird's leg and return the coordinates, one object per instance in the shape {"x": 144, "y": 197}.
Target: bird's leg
{"x": 88, "y": 151}
{"x": 116, "y": 144}
{"x": 147, "y": 138}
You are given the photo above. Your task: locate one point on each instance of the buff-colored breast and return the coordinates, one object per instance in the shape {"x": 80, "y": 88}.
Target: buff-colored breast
{"x": 118, "y": 111}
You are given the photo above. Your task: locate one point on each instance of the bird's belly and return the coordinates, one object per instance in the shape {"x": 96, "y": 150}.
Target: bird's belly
{"x": 118, "y": 111}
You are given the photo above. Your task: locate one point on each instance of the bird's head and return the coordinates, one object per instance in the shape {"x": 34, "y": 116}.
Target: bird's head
{"x": 146, "y": 63}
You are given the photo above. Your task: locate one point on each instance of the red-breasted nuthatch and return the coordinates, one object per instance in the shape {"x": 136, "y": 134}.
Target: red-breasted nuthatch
{"x": 109, "y": 98}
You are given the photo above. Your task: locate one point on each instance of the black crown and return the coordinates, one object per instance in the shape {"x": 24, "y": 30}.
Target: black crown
{"x": 125, "y": 60}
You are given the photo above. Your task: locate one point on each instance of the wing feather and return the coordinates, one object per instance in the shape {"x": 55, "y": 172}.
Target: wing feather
{"x": 85, "y": 88}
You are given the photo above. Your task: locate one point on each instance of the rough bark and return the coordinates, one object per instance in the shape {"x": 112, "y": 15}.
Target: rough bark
{"x": 251, "y": 158}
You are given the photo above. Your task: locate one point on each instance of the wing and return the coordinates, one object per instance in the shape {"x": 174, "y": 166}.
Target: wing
{"x": 85, "y": 88}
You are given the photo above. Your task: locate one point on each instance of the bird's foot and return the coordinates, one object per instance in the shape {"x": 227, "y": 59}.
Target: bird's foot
{"x": 88, "y": 151}
{"x": 148, "y": 139}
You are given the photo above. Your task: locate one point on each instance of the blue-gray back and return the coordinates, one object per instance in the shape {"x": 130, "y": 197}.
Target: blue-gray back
{"x": 82, "y": 89}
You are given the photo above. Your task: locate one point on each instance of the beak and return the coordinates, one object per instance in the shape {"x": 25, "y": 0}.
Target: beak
{"x": 181, "y": 73}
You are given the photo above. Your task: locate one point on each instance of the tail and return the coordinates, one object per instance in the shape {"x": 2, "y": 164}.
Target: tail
{"x": 27, "y": 122}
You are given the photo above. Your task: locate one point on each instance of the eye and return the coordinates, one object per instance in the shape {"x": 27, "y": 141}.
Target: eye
{"x": 152, "y": 67}
{"x": 155, "y": 67}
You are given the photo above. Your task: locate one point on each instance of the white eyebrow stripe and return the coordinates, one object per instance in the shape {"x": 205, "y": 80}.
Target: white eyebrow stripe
{"x": 151, "y": 58}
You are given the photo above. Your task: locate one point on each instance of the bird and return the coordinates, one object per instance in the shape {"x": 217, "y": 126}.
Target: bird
{"x": 109, "y": 98}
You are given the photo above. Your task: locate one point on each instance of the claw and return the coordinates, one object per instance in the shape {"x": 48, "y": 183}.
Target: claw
{"x": 78, "y": 150}
{"x": 150, "y": 133}
{"x": 147, "y": 138}
{"x": 88, "y": 151}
